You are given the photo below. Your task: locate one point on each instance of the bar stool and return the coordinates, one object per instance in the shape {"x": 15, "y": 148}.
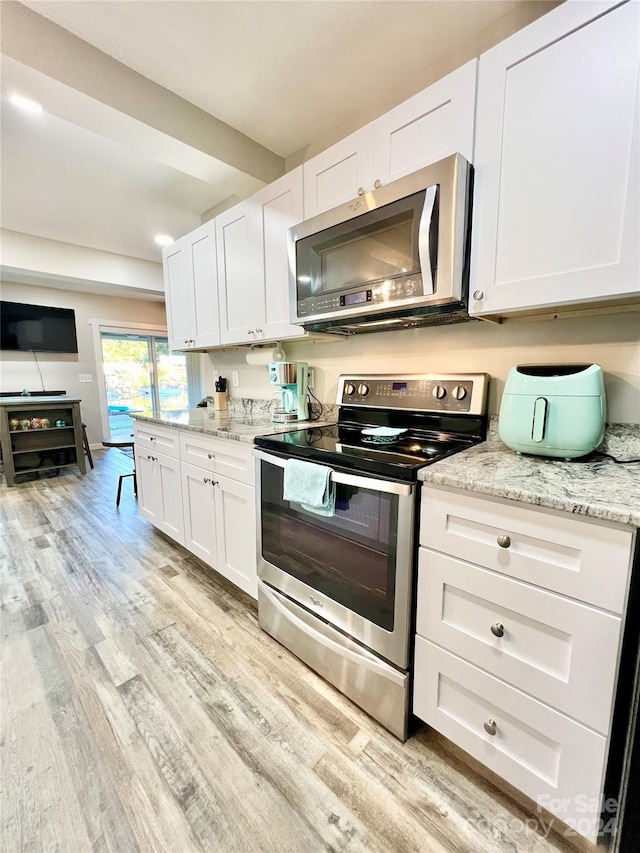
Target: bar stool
{"x": 123, "y": 444}
{"x": 85, "y": 444}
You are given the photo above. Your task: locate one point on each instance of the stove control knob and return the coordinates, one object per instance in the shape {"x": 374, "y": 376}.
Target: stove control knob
{"x": 363, "y": 389}
{"x": 439, "y": 392}
{"x": 459, "y": 392}
{"x": 349, "y": 389}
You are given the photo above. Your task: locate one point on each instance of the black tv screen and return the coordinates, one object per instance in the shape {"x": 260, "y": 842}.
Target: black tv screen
{"x": 37, "y": 328}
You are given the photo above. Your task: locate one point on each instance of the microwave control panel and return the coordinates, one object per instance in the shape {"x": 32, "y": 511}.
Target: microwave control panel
{"x": 459, "y": 393}
{"x": 379, "y": 293}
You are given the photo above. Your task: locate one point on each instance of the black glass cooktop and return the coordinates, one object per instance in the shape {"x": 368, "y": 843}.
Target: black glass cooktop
{"x": 347, "y": 447}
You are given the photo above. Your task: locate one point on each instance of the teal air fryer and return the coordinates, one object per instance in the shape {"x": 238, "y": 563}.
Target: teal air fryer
{"x": 553, "y": 409}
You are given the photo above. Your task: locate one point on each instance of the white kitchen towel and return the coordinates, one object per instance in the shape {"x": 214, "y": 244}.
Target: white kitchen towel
{"x": 310, "y": 485}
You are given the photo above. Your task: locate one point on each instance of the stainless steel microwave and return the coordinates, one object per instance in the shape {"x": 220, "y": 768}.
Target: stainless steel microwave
{"x": 392, "y": 258}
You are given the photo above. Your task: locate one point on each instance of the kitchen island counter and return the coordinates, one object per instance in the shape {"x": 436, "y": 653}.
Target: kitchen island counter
{"x": 594, "y": 486}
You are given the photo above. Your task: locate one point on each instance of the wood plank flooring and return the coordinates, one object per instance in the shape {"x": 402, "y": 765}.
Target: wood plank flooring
{"x": 143, "y": 709}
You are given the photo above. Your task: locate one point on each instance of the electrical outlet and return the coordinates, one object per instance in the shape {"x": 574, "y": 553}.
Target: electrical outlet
{"x": 85, "y": 377}
{"x": 235, "y": 378}
{"x": 311, "y": 377}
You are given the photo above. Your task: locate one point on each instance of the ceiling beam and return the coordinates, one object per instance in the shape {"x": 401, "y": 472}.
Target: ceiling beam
{"x": 53, "y": 51}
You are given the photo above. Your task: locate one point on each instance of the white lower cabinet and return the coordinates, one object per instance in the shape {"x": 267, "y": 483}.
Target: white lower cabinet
{"x": 159, "y": 491}
{"x": 519, "y": 626}
{"x": 236, "y": 534}
{"x": 220, "y": 525}
{"x": 543, "y": 753}
{"x": 198, "y": 500}
{"x": 208, "y": 507}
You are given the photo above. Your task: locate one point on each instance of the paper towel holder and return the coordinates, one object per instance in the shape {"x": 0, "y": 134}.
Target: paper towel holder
{"x": 264, "y": 355}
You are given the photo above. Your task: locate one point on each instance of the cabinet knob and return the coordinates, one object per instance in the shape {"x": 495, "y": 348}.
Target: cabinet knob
{"x": 490, "y": 727}
{"x": 250, "y": 331}
{"x": 478, "y": 295}
{"x": 360, "y": 190}
{"x": 504, "y": 541}
{"x": 211, "y": 456}
{"x": 497, "y": 630}
{"x": 258, "y": 331}
{"x": 207, "y": 479}
{"x": 377, "y": 184}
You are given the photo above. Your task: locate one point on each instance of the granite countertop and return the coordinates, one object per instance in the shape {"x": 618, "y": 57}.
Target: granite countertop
{"x": 237, "y": 424}
{"x": 596, "y": 487}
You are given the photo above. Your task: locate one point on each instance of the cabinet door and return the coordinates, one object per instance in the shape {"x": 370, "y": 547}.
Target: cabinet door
{"x": 178, "y": 296}
{"x": 160, "y": 492}
{"x": 172, "y": 519}
{"x": 236, "y": 534}
{"x": 431, "y": 125}
{"x": 238, "y": 249}
{"x": 339, "y": 173}
{"x": 199, "y": 512}
{"x": 557, "y": 157}
{"x": 279, "y": 206}
{"x": 149, "y": 503}
{"x": 203, "y": 279}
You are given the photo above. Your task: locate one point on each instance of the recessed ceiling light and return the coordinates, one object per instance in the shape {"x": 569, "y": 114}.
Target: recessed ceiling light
{"x": 163, "y": 239}
{"x": 26, "y": 104}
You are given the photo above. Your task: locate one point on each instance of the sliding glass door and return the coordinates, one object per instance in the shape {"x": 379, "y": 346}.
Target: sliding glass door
{"x": 141, "y": 375}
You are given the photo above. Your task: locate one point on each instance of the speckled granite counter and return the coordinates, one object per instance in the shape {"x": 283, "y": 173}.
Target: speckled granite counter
{"x": 237, "y": 424}
{"x": 596, "y": 488}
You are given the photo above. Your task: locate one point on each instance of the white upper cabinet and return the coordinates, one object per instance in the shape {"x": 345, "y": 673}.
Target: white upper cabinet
{"x": 203, "y": 275}
{"x": 191, "y": 290}
{"x": 279, "y": 206}
{"x": 429, "y": 126}
{"x": 176, "y": 294}
{"x": 556, "y": 162}
{"x": 340, "y": 173}
{"x": 253, "y": 263}
{"x": 239, "y": 273}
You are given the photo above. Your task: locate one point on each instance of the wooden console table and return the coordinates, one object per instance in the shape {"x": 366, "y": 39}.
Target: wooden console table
{"x": 30, "y": 449}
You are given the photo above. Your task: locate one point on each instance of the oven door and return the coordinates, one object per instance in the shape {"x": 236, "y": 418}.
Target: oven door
{"x": 354, "y": 569}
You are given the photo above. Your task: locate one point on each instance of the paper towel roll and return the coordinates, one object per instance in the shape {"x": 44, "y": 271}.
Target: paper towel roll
{"x": 262, "y": 357}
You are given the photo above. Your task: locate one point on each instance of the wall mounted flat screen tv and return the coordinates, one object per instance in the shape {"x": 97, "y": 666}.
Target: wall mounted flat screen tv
{"x": 37, "y": 328}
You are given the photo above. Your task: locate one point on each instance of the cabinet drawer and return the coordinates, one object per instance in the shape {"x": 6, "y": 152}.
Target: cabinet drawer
{"x": 218, "y": 455}
{"x": 580, "y": 559}
{"x": 153, "y": 437}
{"x": 552, "y": 759}
{"x": 550, "y": 646}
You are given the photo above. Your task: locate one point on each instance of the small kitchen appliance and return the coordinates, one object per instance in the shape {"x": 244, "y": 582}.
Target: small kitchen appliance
{"x": 337, "y": 590}
{"x": 553, "y": 410}
{"x": 392, "y": 258}
{"x": 291, "y": 378}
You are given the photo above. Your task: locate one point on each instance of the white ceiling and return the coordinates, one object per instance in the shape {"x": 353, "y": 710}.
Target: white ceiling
{"x": 98, "y": 169}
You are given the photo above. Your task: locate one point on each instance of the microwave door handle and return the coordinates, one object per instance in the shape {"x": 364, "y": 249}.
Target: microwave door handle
{"x": 424, "y": 242}
{"x": 387, "y": 486}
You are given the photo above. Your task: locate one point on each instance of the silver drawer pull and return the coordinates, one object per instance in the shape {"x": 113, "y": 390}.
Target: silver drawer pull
{"x": 490, "y": 727}
{"x": 478, "y": 295}
{"x": 377, "y": 184}
{"x": 497, "y": 630}
{"x": 360, "y": 190}
{"x": 504, "y": 541}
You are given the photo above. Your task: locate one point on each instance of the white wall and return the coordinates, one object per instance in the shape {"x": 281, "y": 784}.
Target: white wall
{"x": 611, "y": 340}
{"x": 18, "y": 370}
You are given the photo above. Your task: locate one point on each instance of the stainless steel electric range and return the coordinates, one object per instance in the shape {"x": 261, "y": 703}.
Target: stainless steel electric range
{"x": 338, "y": 590}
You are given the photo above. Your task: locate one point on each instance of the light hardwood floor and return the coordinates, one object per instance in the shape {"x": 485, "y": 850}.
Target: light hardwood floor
{"x": 144, "y": 709}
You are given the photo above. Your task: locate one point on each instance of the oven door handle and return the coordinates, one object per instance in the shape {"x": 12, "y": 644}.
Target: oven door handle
{"x": 387, "y": 486}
